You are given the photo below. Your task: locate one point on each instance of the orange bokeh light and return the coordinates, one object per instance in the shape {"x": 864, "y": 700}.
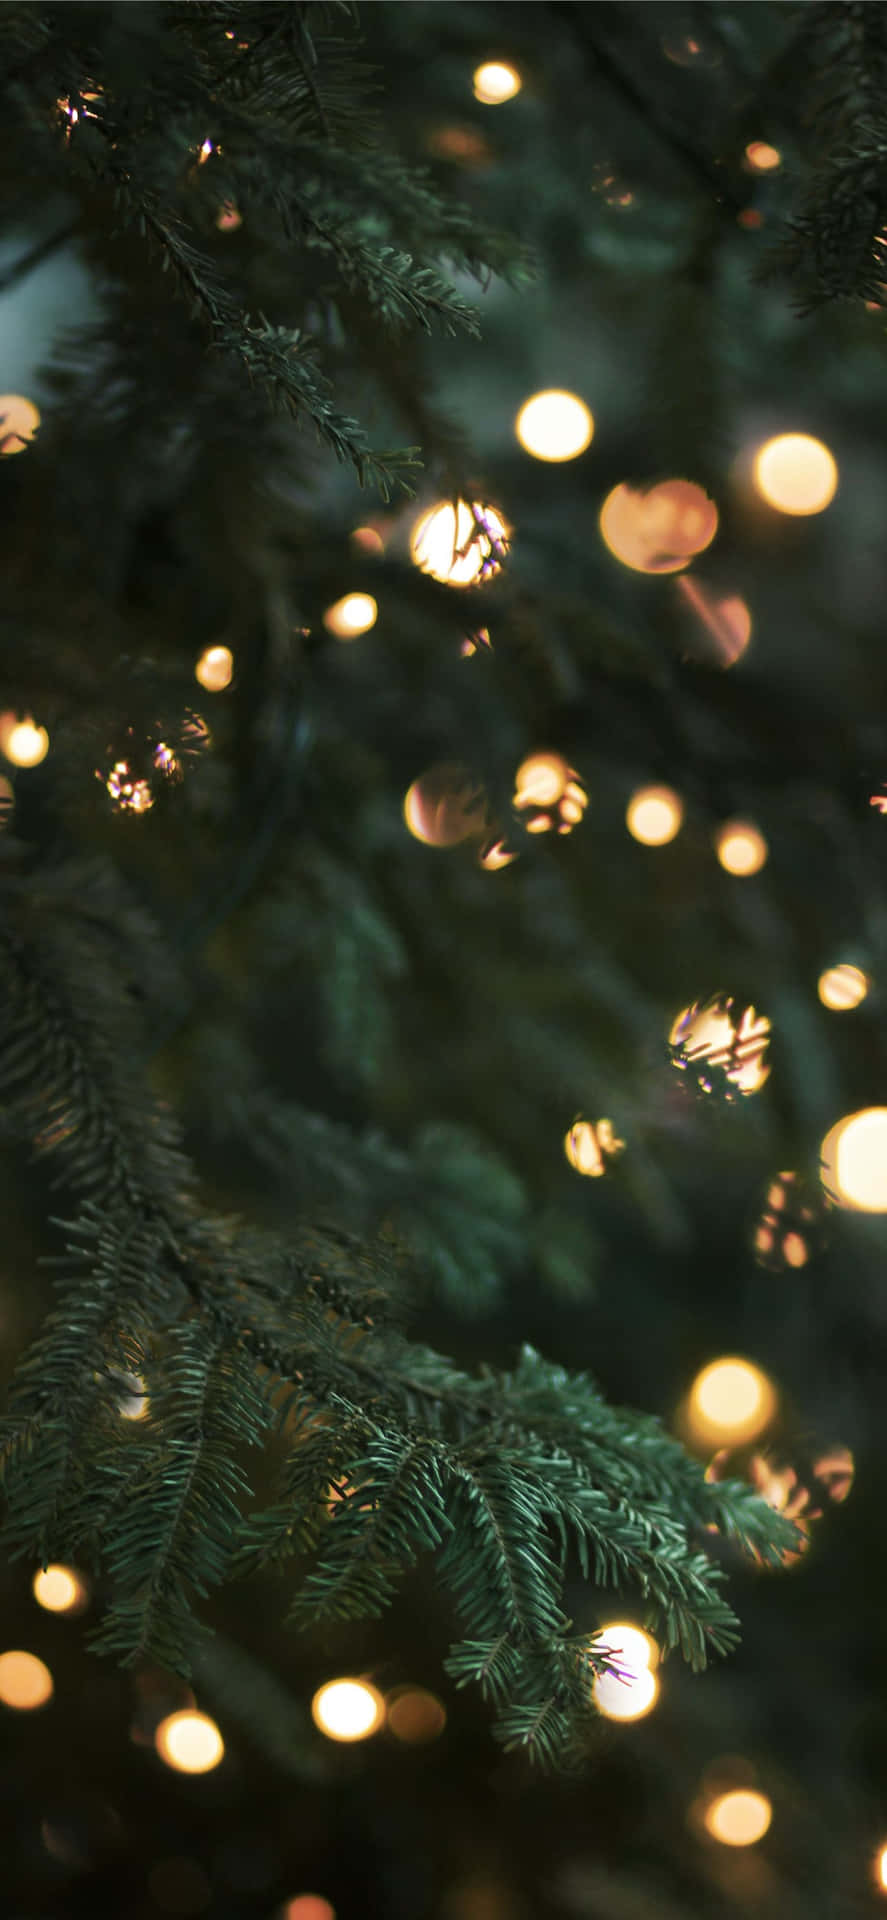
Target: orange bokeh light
{"x": 658, "y": 529}
{"x": 654, "y": 816}
{"x": 461, "y": 545}
{"x": 348, "y": 1709}
{"x": 741, "y": 847}
{"x": 495, "y": 82}
{"x": 854, "y": 1161}
{"x": 25, "y": 1681}
{"x": 189, "y": 1741}
{"x": 19, "y": 420}
{"x": 842, "y": 988}
{"x": 445, "y": 806}
{"x": 761, "y": 157}
{"x": 739, "y": 1818}
{"x": 724, "y": 626}
{"x": 730, "y": 1400}
{"x": 796, "y": 474}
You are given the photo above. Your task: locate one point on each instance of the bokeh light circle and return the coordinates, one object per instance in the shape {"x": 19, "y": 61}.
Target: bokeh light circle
{"x": 495, "y": 82}
{"x": 796, "y": 474}
{"x": 730, "y": 1400}
{"x": 741, "y": 848}
{"x": 739, "y": 1818}
{"x": 554, "y": 425}
{"x": 658, "y": 529}
{"x": 854, "y": 1161}
{"x": 189, "y": 1741}
{"x": 25, "y": 1681}
{"x": 348, "y": 1709}
{"x": 654, "y": 816}
{"x": 842, "y": 988}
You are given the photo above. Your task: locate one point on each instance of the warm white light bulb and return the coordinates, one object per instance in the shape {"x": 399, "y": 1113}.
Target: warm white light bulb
{"x": 495, "y": 82}
{"x": 459, "y": 545}
{"x": 347, "y": 1709}
{"x": 741, "y": 848}
{"x": 796, "y": 474}
{"x": 25, "y": 1681}
{"x": 351, "y": 616}
{"x": 215, "y": 668}
{"x": 739, "y": 1818}
{"x": 842, "y": 988}
{"x": 554, "y": 425}
{"x": 654, "y": 816}
{"x": 854, "y": 1161}
{"x": 23, "y": 743}
{"x": 628, "y": 1698}
{"x": 189, "y": 1741}
{"x": 58, "y": 1589}
{"x": 730, "y": 1400}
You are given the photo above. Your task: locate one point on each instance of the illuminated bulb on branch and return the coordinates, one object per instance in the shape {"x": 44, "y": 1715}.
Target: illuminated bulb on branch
{"x": 588, "y": 1146}
{"x": 462, "y": 545}
{"x": 761, "y": 157}
{"x": 632, "y": 1692}
{"x": 854, "y": 1161}
{"x": 789, "y": 1230}
{"x": 215, "y": 669}
{"x": 550, "y": 792}
{"x": 658, "y": 529}
{"x": 796, "y": 474}
{"x": 59, "y": 1589}
{"x": 350, "y": 616}
{"x": 348, "y": 1709}
{"x": 495, "y": 82}
{"x": 740, "y": 1818}
{"x": 842, "y": 988}
{"x": 19, "y": 420}
{"x": 654, "y": 816}
{"x": 445, "y": 806}
{"x": 881, "y": 1868}
{"x": 554, "y": 426}
{"x": 740, "y": 847}
{"x": 23, "y": 743}
{"x": 721, "y": 1046}
{"x": 730, "y": 1400}
{"x": 129, "y": 794}
{"x": 25, "y": 1682}
{"x": 189, "y": 1741}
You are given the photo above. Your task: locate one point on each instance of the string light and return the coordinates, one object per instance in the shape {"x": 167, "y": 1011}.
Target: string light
{"x": 215, "y": 668}
{"x": 588, "y": 1146}
{"x": 730, "y": 1400}
{"x": 718, "y": 1045}
{"x": 654, "y": 816}
{"x": 462, "y": 545}
{"x": 796, "y": 474}
{"x": 658, "y": 529}
{"x": 739, "y": 1818}
{"x": 23, "y": 743}
{"x": 881, "y": 1868}
{"x": 445, "y": 806}
{"x": 129, "y": 794}
{"x": 761, "y": 157}
{"x": 59, "y": 1589}
{"x": 308, "y": 1906}
{"x": 415, "y": 1716}
{"x": 19, "y": 420}
{"x": 495, "y": 82}
{"x": 348, "y": 1709}
{"x": 854, "y": 1161}
{"x": 367, "y": 540}
{"x": 631, "y": 1692}
{"x": 205, "y": 151}
{"x": 842, "y": 988}
{"x": 495, "y": 855}
{"x": 741, "y": 848}
{"x": 189, "y": 1741}
{"x": 546, "y": 783}
{"x": 554, "y": 425}
{"x": 25, "y": 1681}
{"x": 354, "y": 614}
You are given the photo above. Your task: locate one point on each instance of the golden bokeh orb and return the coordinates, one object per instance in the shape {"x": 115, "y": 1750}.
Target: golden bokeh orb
{"x": 854, "y": 1161}
{"x": 189, "y": 1741}
{"x": 730, "y": 1400}
{"x": 658, "y": 529}
{"x": 654, "y": 816}
{"x": 761, "y": 157}
{"x": 19, "y": 420}
{"x": 589, "y": 1144}
{"x": 881, "y": 1868}
{"x": 842, "y": 988}
{"x": 59, "y": 1589}
{"x": 348, "y": 1709}
{"x": 739, "y": 1818}
{"x": 23, "y": 743}
{"x": 25, "y": 1681}
{"x": 367, "y": 540}
{"x": 741, "y": 847}
{"x": 628, "y": 1698}
{"x": 461, "y": 545}
{"x": 415, "y": 1716}
{"x": 554, "y": 425}
{"x": 308, "y": 1906}
{"x": 635, "y": 1648}
{"x": 354, "y": 614}
{"x": 796, "y": 474}
{"x": 496, "y": 81}
{"x": 445, "y": 806}
{"x": 215, "y": 669}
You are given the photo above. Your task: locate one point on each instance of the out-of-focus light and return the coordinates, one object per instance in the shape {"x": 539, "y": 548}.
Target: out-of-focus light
{"x": 796, "y": 474}
{"x": 696, "y": 49}
{"x": 308, "y": 1906}
{"x": 7, "y": 801}
{"x": 129, "y": 794}
{"x": 355, "y": 613}
{"x": 724, "y": 626}
{"x": 843, "y": 987}
{"x": 215, "y": 668}
{"x": 633, "y": 1647}
{"x": 854, "y": 1161}
{"x": 495, "y": 855}
{"x": 348, "y": 1709}
{"x": 495, "y": 82}
{"x": 475, "y": 643}
{"x": 59, "y": 1589}
{"x": 718, "y": 1044}
{"x": 228, "y": 218}
{"x": 761, "y": 157}
{"x": 19, "y": 420}
{"x": 462, "y": 545}
{"x": 654, "y": 816}
{"x": 751, "y": 218}
{"x": 465, "y": 145}
{"x": 415, "y": 1716}
{"x": 367, "y": 540}
{"x": 554, "y": 425}
{"x": 205, "y": 151}
{"x": 545, "y": 782}
{"x": 626, "y": 1698}
{"x": 445, "y": 806}
{"x": 881, "y": 1868}
{"x": 588, "y": 1146}
{"x": 25, "y": 1682}
{"x": 730, "y": 1400}
{"x": 740, "y": 847}
{"x": 739, "y": 1818}
{"x": 189, "y": 1741}
{"x": 658, "y": 529}
{"x": 23, "y": 743}
{"x": 134, "y": 1402}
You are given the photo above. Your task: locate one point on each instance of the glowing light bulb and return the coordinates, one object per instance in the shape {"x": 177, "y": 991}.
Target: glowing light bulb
{"x": 588, "y": 1146}
{"x": 495, "y": 82}
{"x": 308, "y": 1906}
{"x": 730, "y": 1400}
{"x": 654, "y": 816}
{"x": 189, "y": 1741}
{"x": 462, "y": 545}
{"x": 348, "y": 1709}
{"x": 854, "y": 1161}
{"x": 634, "y": 1647}
{"x": 367, "y": 539}
{"x": 761, "y": 157}
{"x": 496, "y": 855}
{"x": 25, "y": 1682}
{"x": 19, "y": 420}
{"x": 739, "y": 1818}
{"x": 24, "y": 744}
{"x": 881, "y": 1867}
{"x": 740, "y": 848}
{"x": 215, "y": 668}
{"x": 841, "y": 988}
{"x": 541, "y": 780}
{"x": 415, "y": 1716}
{"x": 554, "y": 425}
{"x": 350, "y": 616}
{"x": 59, "y": 1589}
{"x": 205, "y": 151}
{"x": 628, "y": 1698}
{"x": 445, "y": 806}
{"x": 658, "y": 529}
{"x": 796, "y": 474}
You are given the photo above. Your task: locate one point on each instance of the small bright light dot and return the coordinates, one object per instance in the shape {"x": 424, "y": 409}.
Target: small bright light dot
{"x": 19, "y": 420}
{"x": 842, "y": 988}
{"x": 730, "y": 1399}
{"x": 415, "y": 1716}
{"x": 796, "y": 474}
{"x": 540, "y": 780}
{"x": 854, "y": 1161}
{"x": 367, "y": 539}
{"x": 308, "y": 1906}
{"x": 58, "y": 1589}
{"x": 625, "y": 1699}
{"x": 23, "y": 744}
{"x": 348, "y": 1709}
{"x": 586, "y": 1143}
{"x": 205, "y": 151}
{"x": 554, "y": 426}
{"x": 881, "y": 1867}
{"x": 658, "y": 529}
{"x": 352, "y": 615}
{"x": 762, "y": 157}
{"x": 634, "y": 1647}
{"x": 741, "y": 849}
{"x": 25, "y": 1682}
{"x": 495, "y": 82}
{"x": 215, "y": 668}
{"x": 654, "y": 816}
{"x": 740, "y": 1818}
{"x": 457, "y": 545}
{"x": 189, "y": 1741}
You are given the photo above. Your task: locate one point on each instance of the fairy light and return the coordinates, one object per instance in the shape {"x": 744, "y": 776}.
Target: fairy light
{"x": 23, "y": 743}
{"x": 19, "y": 420}
{"x": 630, "y": 1693}
{"x": 740, "y": 1818}
{"x": 881, "y": 1868}
{"x": 215, "y": 669}
{"x": 761, "y": 157}
{"x": 730, "y": 1400}
{"x": 354, "y": 614}
{"x": 554, "y": 425}
{"x": 25, "y": 1681}
{"x": 497, "y": 854}
{"x": 205, "y": 151}
{"x": 129, "y": 794}
{"x": 368, "y": 540}
{"x": 741, "y": 848}
{"x": 59, "y": 1589}
{"x": 308, "y": 1906}
{"x": 495, "y": 82}
{"x": 189, "y": 1741}
{"x": 445, "y": 806}
{"x": 415, "y": 1716}
{"x": 658, "y": 529}
{"x": 348, "y": 1709}
{"x": 462, "y": 545}
{"x": 796, "y": 474}
{"x": 724, "y": 625}
{"x": 842, "y": 988}
{"x": 854, "y": 1161}
{"x": 588, "y": 1146}
{"x": 654, "y": 816}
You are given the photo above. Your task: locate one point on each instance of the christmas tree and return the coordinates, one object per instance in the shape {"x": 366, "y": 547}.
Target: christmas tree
{"x": 442, "y": 931}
